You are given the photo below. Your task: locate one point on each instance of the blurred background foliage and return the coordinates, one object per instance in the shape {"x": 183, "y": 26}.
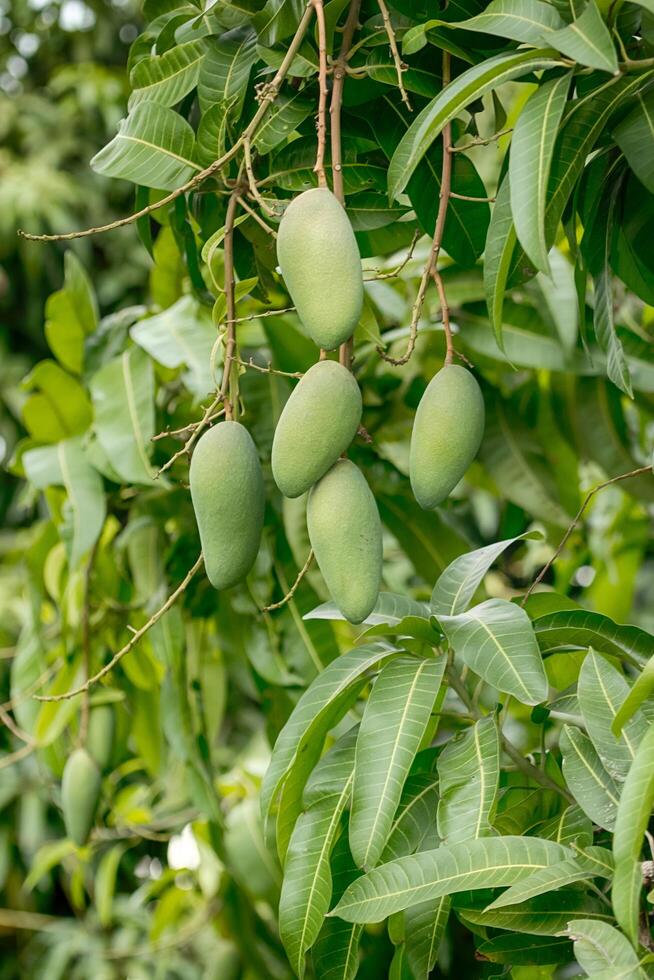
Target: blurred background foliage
{"x": 159, "y": 892}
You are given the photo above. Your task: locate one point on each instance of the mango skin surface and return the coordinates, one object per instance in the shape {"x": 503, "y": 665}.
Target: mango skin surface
{"x": 320, "y": 262}
{"x": 318, "y": 423}
{"x": 346, "y": 536}
{"x": 80, "y": 792}
{"x": 447, "y": 433}
{"x": 227, "y": 491}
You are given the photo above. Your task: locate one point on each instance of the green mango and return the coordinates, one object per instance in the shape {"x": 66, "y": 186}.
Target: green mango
{"x": 447, "y": 433}
{"x": 318, "y": 423}
{"x": 320, "y": 262}
{"x": 100, "y": 736}
{"x": 228, "y": 497}
{"x": 80, "y": 792}
{"x": 346, "y": 536}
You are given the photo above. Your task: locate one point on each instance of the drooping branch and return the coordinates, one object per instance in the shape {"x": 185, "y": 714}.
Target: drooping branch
{"x": 293, "y": 589}
{"x": 229, "y": 385}
{"x": 580, "y": 513}
{"x": 268, "y": 95}
{"x": 430, "y": 270}
{"x": 136, "y": 636}
{"x": 319, "y": 168}
{"x": 400, "y": 67}
{"x": 252, "y": 184}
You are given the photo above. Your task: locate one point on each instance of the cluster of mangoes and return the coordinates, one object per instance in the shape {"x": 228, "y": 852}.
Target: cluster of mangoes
{"x": 319, "y": 260}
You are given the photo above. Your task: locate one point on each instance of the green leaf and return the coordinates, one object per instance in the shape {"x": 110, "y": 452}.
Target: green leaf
{"x": 333, "y": 770}
{"x": 154, "y": 147}
{"x": 307, "y": 886}
{"x": 635, "y": 137}
{"x": 641, "y": 690}
{"x": 123, "y": 399}
{"x": 468, "y": 87}
{"x": 183, "y": 334}
{"x": 595, "y": 862}
{"x": 105, "y": 883}
{"x": 71, "y": 314}
{"x": 601, "y": 690}
{"x": 212, "y": 133}
{"x": 300, "y": 742}
{"x": 594, "y": 789}
{"x": 524, "y": 950}
{"x": 469, "y": 772}
{"x": 424, "y": 927}
{"x": 66, "y": 465}
{"x": 414, "y": 818}
{"x": 532, "y": 148}
{"x": 634, "y": 811}
{"x": 394, "y": 721}
{"x": 390, "y": 609}
{"x": 458, "y": 583}
{"x": 578, "y": 629}
{"x": 529, "y": 21}
{"x": 501, "y": 239}
{"x": 284, "y": 117}
{"x": 617, "y": 368}
{"x": 496, "y": 640}
{"x": 167, "y": 78}
{"x": 226, "y": 69}
{"x": 587, "y": 40}
{"x": 540, "y": 915}
{"x": 488, "y": 862}
{"x": 599, "y": 946}
{"x": 59, "y": 407}
{"x": 335, "y": 954}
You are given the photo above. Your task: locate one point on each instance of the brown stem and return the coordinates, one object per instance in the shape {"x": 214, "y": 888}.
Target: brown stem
{"x": 480, "y": 141}
{"x": 319, "y": 168}
{"x": 293, "y": 589}
{"x": 468, "y": 197}
{"x": 587, "y": 499}
{"x": 445, "y": 314}
{"x": 117, "y": 657}
{"x": 269, "y": 94}
{"x": 400, "y": 67}
{"x": 230, "y": 396}
{"x": 253, "y": 214}
{"x": 398, "y": 268}
{"x": 434, "y": 252}
{"x": 252, "y": 183}
{"x": 268, "y": 369}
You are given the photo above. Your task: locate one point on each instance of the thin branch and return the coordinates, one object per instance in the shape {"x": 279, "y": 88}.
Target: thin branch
{"x": 117, "y": 657}
{"x": 445, "y": 315}
{"x": 229, "y": 396}
{"x": 323, "y": 92}
{"x": 21, "y": 753}
{"x": 25, "y": 695}
{"x": 252, "y": 183}
{"x": 587, "y": 499}
{"x": 15, "y": 729}
{"x": 253, "y": 214}
{"x": 195, "y": 435}
{"x": 268, "y": 369}
{"x": 393, "y": 273}
{"x": 434, "y": 252}
{"x": 337, "y": 99}
{"x": 400, "y": 67}
{"x": 469, "y": 197}
{"x": 171, "y": 433}
{"x": 268, "y": 95}
{"x": 480, "y": 141}
{"x": 293, "y": 589}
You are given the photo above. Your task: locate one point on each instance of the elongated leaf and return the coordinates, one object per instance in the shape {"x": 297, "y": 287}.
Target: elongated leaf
{"x": 496, "y": 640}
{"x": 424, "y": 926}
{"x": 283, "y": 118}
{"x": 154, "y": 147}
{"x": 540, "y": 915}
{"x": 488, "y": 862}
{"x": 634, "y": 811}
{"x": 335, "y": 954}
{"x": 307, "y": 887}
{"x": 641, "y": 690}
{"x": 66, "y": 465}
{"x": 500, "y": 244}
{"x": 414, "y": 817}
{"x": 123, "y": 399}
{"x": 71, "y": 313}
{"x": 530, "y": 21}
{"x": 587, "y": 40}
{"x": 333, "y": 771}
{"x": 390, "y": 609}
{"x": 601, "y": 690}
{"x": 469, "y": 771}
{"x": 525, "y": 950}
{"x": 577, "y": 629}
{"x": 594, "y": 789}
{"x": 167, "y": 78}
{"x": 394, "y": 721}
{"x": 226, "y": 69}
{"x": 456, "y": 96}
{"x": 181, "y": 335}
{"x": 599, "y": 946}
{"x": 635, "y": 137}
{"x": 299, "y": 744}
{"x": 595, "y": 862}
{"x": 212, "y": 133}
{"x": 458, "y": 583}
{"x": 532, "y": 147}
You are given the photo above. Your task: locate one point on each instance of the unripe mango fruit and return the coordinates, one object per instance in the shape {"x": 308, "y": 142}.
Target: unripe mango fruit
{"x": 318, "y": 423}
{"x": 320, "y": 262}
{"x": 227, "y": 491}
{"x": 346, "y": 536}
{"x": 100, "y": 736}
{"x": 80, "y": 792}
{"x": 447, "y": 433}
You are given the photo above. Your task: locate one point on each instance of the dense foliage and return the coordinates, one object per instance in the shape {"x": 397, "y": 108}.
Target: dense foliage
{"x": 466, "y": 780}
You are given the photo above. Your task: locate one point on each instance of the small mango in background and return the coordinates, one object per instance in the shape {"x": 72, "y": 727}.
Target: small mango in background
{"x": 80, "y": 792}
{"x": 447, "y": 433}
{"x": 227, "y": 491}
{"x": 318, "y": 423}
{"x": 346, "y": 536}
{"x": 321, "y": 266}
